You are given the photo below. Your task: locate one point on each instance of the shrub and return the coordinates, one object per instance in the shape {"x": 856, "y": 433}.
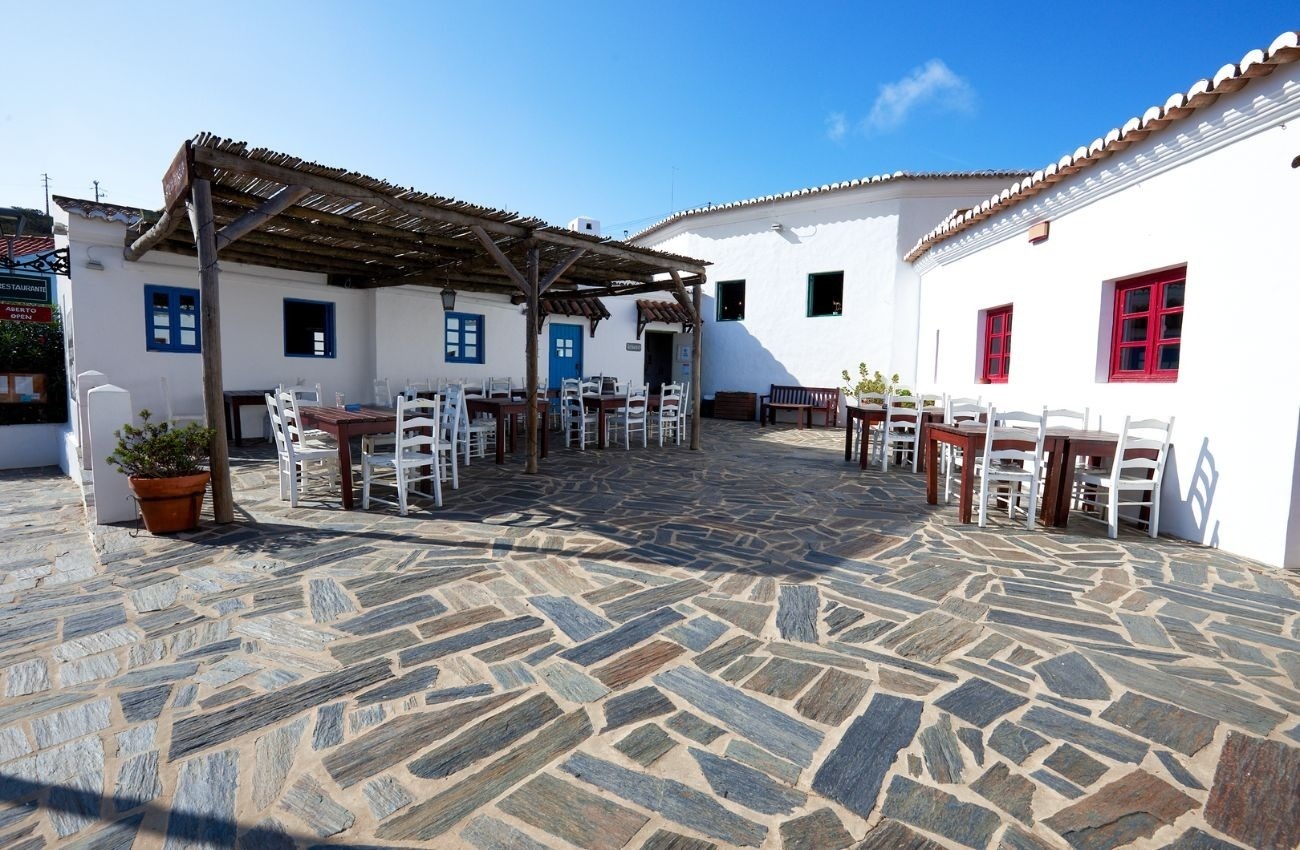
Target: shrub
{"x": 869, "y": 382}
{"x": 156, "y": 450}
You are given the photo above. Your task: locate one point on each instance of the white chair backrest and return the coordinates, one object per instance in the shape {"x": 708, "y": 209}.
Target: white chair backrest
{"x": 418, "y": 384}
{"x": 590, "y": 388}
{"x": 1068, "y": 418}
{"x": 670, "y": 401}
{"x": 1034, "y": 423}
{"x": 418, "y": 428}
{"x": 383, "y": 394}
{"x": 304, "y": 393}
{"x": 289, "y": 415}
{"x": 277, "y": 424}
{"x": 570, "y": 386}
{"x": 1139, "y": 439}
{"x": 900, "y": 413}
{"x": 686, "y": 398}
{"x": 933, "y": 400}
{"x": 498, "y": 387}
{"x": 962, "y": 409}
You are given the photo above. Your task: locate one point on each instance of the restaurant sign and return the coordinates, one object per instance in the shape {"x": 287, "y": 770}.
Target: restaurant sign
{"x": 26, "y": 288}
{"x": 26, "y": 313}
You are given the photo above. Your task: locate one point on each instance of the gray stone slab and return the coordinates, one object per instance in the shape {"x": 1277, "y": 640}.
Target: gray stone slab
{"x": 512, "y": 674}
{"x": 1071, "y": 675}
{"x": 979, "y": 702}
{"x": 766, "y": 726}
{"x": 329, "y": 727}
{"x": 698, "y": 634}
{"x": 578, "y": 816}
{"x": 892, "y": 661}
{"x": 939, "y": 812}
{"x": 27, "y": 677}
{"x": 328, "y": 600}
{"x": 1176, "y": 728}
{"x": 664, "y": 839}
{"x": 273, "y": 757}
{"x": 941, "y": 751}
{"x": 571, "y": 683}
{"x": 488, "y": 833}
{"x": 1178, "y": 771}
{"x": 119, "y": 836}
{"x": 157, "y": 596}
{"x": 486, "y": 633}
{"x": 191, "y": 734}
{"x": 738, "y": 749}
{"x": 314, "y": 807}
{"x": 1075, "y": 765}
{"x": 385, "y": 795}
{"x": 486, "y": 737}
{"x": 104, "y": 641}
{"x": 407, "y": 583}
{"x": 819, "y": 830}
{"x": 144, "y": 704}
{"x": 974, "y": 741}
{"x": 892, "y": 835}
{"x": 387, "y": 617}
{"x": 796, "y": 613}
{"x": 745, "y": 786}
{"x": 713, "y": 660}
{"x": 854, "y": 771}
{"x": 701, "y": 731}
{"x": 137, "y": 781}
{"x": 1194, "y": 839}
{"x": 635, "y": 706}
{"x": 1064, "y": 727}
{"x": 750, "y": 616}
{"x": 577, "y": 622}
{"x": 646, "y": 744}
{"x": 366, "y": 717}
{"x": 430, "y": 818}
{"x": 883, "y": 598}
{"x": 667, "y": 798}
{"x": 643, "y": 602}
{"x": 1060, "y": 785}
{"x": 71, "y": 723}
{"x": 1015, "y": 742}
{"x": 1009, "y": 791}
{"x": 416, "y": 680}
{"x": 454, "y": 694}
{"x": 137, "y": 739}
{"x": 354, "y": 651}
{"x": 1055, "y": 627}
{"x": 166, "y": 674}
{"x": 1145, "y": 630}
{"x": 74, "y": 803}
{"x": 628, "y": 634}
{"x": 833, "y": 697}
{"x": 203, "y": 808}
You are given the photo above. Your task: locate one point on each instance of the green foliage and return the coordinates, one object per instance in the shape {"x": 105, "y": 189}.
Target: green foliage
{"x": 35, "y": 348}
{"x": 869, "y": 382}
{"x": 156, "y": 450}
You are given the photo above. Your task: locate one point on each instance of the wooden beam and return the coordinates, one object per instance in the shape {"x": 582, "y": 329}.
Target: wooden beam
{"x": 162, "y": 228}
{"x": 692, "y": 306}
{"x": 253, "y": 219}
{"x": 558, "y": 269}
{"x": 530, "y": 348}
{"x": 502, "y": 260}
{"x": 200, "y": 209}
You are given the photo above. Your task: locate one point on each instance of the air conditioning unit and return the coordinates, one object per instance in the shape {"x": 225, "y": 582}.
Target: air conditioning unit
{"x": 589, "y": 226}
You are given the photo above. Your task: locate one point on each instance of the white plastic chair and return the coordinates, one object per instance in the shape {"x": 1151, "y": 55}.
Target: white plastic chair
{"x": 902, "y": 431}
{"x": 415, "y": 458}
{"x": 1012, "y": 466}
{"x": 1132, "y": 469}
{"x": 631, "y": 417}
{"x": 670, "y": 416}
{"x": 175, "y": 419}
{"x": 300, "y": 459}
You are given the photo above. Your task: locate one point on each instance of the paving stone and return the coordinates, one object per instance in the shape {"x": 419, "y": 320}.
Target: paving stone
{"x": 1062, "y": 786}
{"x": 267, "y": 834}
{"x": 459, "y": 620}
{"x": 841, "y": 617}
{"x": 974, "y": 741}
{"x": 486, "y": 737}
{"x": 713, "y": 660}
{"x": 385, "y": 795}
{"x": 738, "y": 749}
{"x": 355, "y": 651}
{"x": 1194, "y": 839}
{"x": 137, "y": 739}
{"x": 854, "y": 771}
{"x": 1252, "y": 770}
{"x": 694, "y": 728}
{"x": 1008, "y": 791}
{"x": 646, "y": 744}
{"x": 185, "y": 695}
{"x": 635, "y": 706}
{"x": 1121, "y": 812}
{"x": 27, "y": 677}
{"x": 328, "y": 600}
{"x": 979, "y": 702}
{"x": 741, "y": 668}
{"x": 750, "y": 616}
{"x": 819, "y": 830}
{"x": 329, "y": 727}
{"x": 571, "y": 618}
{"x": 227, "y": 696}
{"x": 668, "y": 798}
{"x": 733, "y": 781}
{"x": 1016, "y": 838}
{"x": 308, "y": 801}
{"x": 771, "y": 729}
{"x": 416, "y": 680}
{"x": 571, "y": 683}
{"x": 155, "y": 597}
{"x": 574, "y": 814}
{"x": 203, "y": 808}
{"x": 1075, "y": 765}
{"x": 392, "y": 616}
{"x": 512, "y": 674}
{"x": 1177, "y": 771}
{"x": 84, "y": 670}
{"x": 71, "y": 723}
{"x": 782, "y": 678}
{"x": 636, "y": 663}
{"x": 1176, "y": 728}
{"x": 414, "y": 582}
{"x": 363, "y": 718}
{"x": 664, "y": 839}
{"x": 224, "y": 672}
{"x": 119, "y": 836}
{"x": 1065, "y": 727}
{"x": 191, "y": 734}
{"x": 165, "y": 674}
{"x": 74, "y": 803}
{"x": 942, "y": 754}
{"x": 643, "y": 602}
{"x": 892, "y": 835}
{"x": 796, "y": 615}
{"x": 1015, "y": 742}
{"x": 488, "y": 833}
{"x": 432, "y": 817}
{"x": 137, "y": 781}
{"x": 1071, "y": 675}
{"x": 698, "y": 634}
{"x": 389, "y": 744}
{"x": 453, "y": 694}
{"x": 939, "y": 812}
{"x": 273, "y": 757}
{"x": 833, "y": 697}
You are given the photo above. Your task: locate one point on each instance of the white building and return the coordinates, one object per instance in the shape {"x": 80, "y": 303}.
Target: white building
{"x": 809, "y": 283}
{"x": 1151, "y": 273}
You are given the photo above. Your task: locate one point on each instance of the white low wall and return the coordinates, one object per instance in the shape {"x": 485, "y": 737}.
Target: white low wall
{"x": 23, "y": 446}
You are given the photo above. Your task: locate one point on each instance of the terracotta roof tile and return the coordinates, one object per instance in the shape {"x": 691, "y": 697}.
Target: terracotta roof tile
{"x": 662, "y": 311}
{"x": 590, "y": 308}
{"x": 25, "y": 245}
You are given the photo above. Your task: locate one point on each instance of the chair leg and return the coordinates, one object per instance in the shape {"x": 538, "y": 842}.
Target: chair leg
{"x": 1153, "y": 527}
{"x": 401, "y": 490}
{"x": 1033, "y": 504}
{"x": 365, "y": 486}
{"x": 1112, "y": 512}
{"x": 984, "y": 500}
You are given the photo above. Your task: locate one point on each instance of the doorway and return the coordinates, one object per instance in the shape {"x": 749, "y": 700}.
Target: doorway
{"x": 565, "y": 359}
{"x": 658, "y": 359}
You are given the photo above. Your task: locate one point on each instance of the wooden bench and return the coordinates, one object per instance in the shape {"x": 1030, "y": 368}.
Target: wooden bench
{"x": 804, "y": 401}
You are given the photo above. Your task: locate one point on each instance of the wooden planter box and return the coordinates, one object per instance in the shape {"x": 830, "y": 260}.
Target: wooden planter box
{"x": 735, "y": 406}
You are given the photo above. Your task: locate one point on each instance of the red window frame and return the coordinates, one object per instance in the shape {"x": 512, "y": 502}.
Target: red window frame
{"x": 996, "y": 363}
{"x": 1143, "y": 316}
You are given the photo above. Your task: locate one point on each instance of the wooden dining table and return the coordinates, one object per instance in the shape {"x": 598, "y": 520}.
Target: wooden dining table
{"x": 505, "y": 409}
{"x": 1060, "y": 447}
{"x": 869, "y": 414}
{"x": 236, "y": 399}
{"x": 343, "y": 425}
{"x": 612, "y": 401}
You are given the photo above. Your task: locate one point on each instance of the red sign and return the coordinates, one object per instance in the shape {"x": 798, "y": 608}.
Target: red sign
{"x": 25, "y": 313}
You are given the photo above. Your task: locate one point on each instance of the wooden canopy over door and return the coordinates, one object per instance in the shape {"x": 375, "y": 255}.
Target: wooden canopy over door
{"x": 256, "y": 206}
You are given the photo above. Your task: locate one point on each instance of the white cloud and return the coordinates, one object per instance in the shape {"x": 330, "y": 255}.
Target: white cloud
{"x": 933, "y": 85}
{"x": 837, "y": 126}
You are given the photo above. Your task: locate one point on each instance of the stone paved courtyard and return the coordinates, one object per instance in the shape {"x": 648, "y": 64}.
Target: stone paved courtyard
{"x": 753, "y": 646}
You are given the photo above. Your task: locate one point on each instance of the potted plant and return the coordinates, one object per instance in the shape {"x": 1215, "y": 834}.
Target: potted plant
{"x": 868, "y": 383}
{"x": 167, "y": 471}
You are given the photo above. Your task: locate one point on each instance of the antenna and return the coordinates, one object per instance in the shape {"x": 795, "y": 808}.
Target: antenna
{"x": 46, "y": 178}
{"x": 98, "y": 194}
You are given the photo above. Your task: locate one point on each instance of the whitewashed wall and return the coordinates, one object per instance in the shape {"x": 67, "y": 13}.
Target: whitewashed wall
{"x": 862, "y": 232}
{"x": 1216, "y": 195}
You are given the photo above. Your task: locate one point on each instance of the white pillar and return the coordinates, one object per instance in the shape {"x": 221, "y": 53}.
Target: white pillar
{"x": 86, "y": 381}
{"x": 109, "y": 408}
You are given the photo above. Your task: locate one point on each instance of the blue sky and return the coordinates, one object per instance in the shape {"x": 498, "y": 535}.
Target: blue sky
{"x": 622, "y": 112}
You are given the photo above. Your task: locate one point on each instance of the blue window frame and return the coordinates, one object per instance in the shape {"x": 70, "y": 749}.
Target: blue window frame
{"x": 171, "y": 319}
{"x": 463, "y": 338}
{"x": 308, "y": 328}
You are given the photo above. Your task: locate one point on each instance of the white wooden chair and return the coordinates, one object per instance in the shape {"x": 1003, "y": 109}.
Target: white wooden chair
{"x": 671, "y": 414}
{"x": 300, "y": 459}
{"x": 498, "y": 387}
{"x": 957, "y": 410}
{"x": 581, "y": 423}
{"x": 1133, "y": 469}
{"x": 415, "y": 457}
{"x": 631, "y": 417}
{"x": 1014, "y": 466}
{"x": 902, "y": 431}
{"x": 175, "y": 419}
{"x": 873, "y": 430}
{"x": 383, "y": 393}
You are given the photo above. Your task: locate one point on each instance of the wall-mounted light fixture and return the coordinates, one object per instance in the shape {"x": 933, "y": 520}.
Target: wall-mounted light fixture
{"x": 1039, "y": 232}
{"x": 776, "y": 225}
{"x": 93, "y": 262}
{"x": 448, "y": 299}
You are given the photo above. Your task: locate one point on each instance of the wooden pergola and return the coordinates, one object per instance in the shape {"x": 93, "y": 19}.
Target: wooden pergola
{"x": 223, "y": 200}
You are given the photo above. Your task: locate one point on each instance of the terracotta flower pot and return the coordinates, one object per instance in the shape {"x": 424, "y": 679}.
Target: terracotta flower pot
{"x": 170, "y": 504}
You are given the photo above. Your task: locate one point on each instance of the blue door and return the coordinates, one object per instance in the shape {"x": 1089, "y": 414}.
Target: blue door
{"x": 566, "y": 354}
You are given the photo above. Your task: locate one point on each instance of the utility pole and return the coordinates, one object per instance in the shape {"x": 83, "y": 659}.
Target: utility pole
{"x": 97, "y": 192}
{"x": 45, "y": 177}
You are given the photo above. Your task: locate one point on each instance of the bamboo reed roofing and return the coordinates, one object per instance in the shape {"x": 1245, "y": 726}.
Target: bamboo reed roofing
{"x": 362, "y": 232}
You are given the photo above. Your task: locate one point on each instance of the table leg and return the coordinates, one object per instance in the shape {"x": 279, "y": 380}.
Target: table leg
{"x": 345, "y": 466}
{"x": 931, "y": 471}
{"x": 501, "y": 436}
{"x": 1054, "y": 512}
{"x": 543, "y": 426}
{"x": 848, "y": 438}
{"x": 600, "y": 428}
{"x": 968, "y": 461}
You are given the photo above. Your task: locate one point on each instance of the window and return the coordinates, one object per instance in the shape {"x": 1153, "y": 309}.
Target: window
{"x": 308, "y": 328}
{"x": 1148, "y": 329}
{"x": 464, "y": 338}
{"x": 731, "y": 300}
{"x": 997, "y": 345}
{"x": 171, "y": 318}
{"x": 825, "y": 294}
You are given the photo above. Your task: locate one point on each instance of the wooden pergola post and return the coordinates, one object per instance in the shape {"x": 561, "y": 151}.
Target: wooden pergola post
{"x": 205, "y": 239}
{"x": 530, "y": 349}
{"x": 692, "y": 306}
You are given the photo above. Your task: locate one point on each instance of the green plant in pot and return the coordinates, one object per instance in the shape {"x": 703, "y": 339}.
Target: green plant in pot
{"x": 167, "y": 471}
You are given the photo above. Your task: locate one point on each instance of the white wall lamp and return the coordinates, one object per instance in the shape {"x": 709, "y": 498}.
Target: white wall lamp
{"x": 93, "y": 262}
{"x": 776, "y": 225}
